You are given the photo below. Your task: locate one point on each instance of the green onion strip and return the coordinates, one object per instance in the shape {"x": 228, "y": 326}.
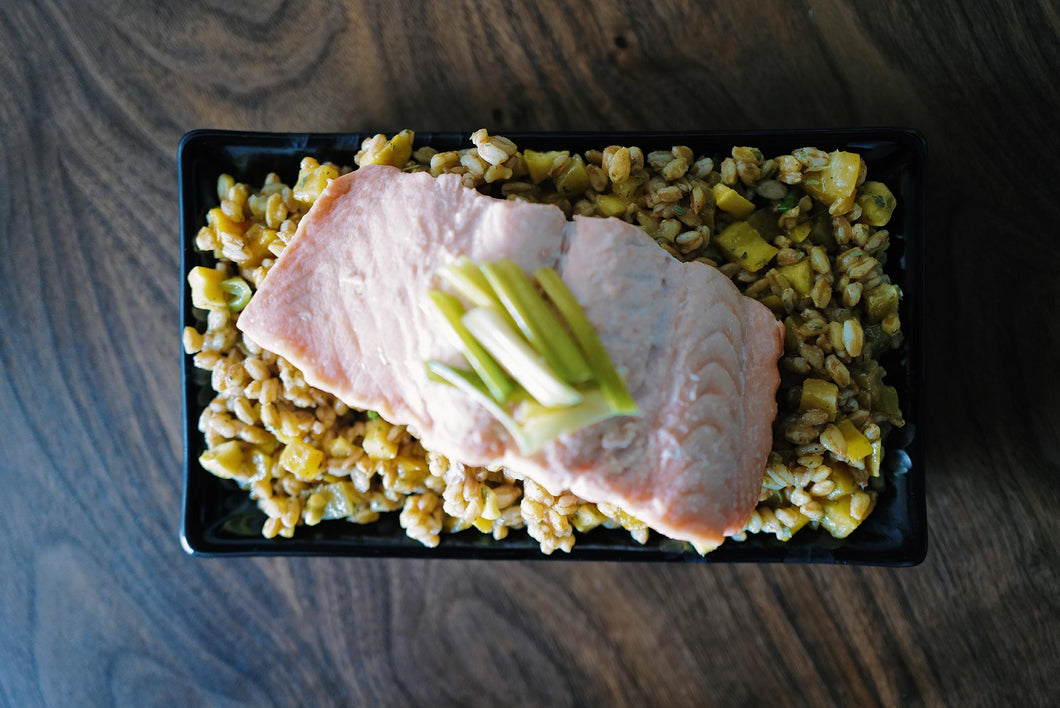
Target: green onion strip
{"x": 537, "y": 364}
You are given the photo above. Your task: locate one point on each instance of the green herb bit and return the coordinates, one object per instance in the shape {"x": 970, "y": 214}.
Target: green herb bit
{"x": 519, "y": 359}
{"x": 240, "y": 292}
{"x": 611, "y": 384}
{"x": 789, "y": 201}
{"x": 371, "y": 415}
{"x": 537, "y": 321}
{"x": 450, "y": 310}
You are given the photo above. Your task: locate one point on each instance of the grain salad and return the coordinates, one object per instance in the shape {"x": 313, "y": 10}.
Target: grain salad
{"x": 803, "y": 233}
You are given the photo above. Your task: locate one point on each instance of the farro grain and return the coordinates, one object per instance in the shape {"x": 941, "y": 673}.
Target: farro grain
{"x": 728, "y": 171}
{"x": 771, "y": 189}
{"x": 853, "y": 337}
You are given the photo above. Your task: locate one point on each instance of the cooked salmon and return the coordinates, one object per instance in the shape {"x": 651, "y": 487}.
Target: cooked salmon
{"x": 343, "y": 304}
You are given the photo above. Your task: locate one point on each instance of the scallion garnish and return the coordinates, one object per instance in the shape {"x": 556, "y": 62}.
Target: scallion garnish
{"x": 603, "y": 371}
{"x": 537, "y": 320}
{"x": 538, "y": 365}
{"x": 240, "y": 292}
{"x": 499, "y": 385}
{"x": 519, "y": 359}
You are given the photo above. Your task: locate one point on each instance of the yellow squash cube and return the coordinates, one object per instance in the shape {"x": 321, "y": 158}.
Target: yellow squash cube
{"x": 837, "y": 518}
{"x": 729, "y": 200}
{"x": 206, "y": 290}
{"x": 312, "y": 180}
{"x": 822, "y": 395}
{"x": 221, "y": 223}
{"x": 539, "y": 164}
{"x": 224, "y": 460}
{"x": 837, "y": 180}
{"x": 301, "y": 460}
{"x": 800, "y": 232}
{"x": 610, "y": 205}
{"x": 800, "y": 276}
{"x": 881, "y": 301}
{"x": 858, "y": 446}
{"x": 573, "y": 179}
{"x": 629, "y": 188}
{"x": 877, "y": 203}
{"x": 744, "y": 245}
{"x": 395, "y": 152}
{"x": 377, "y": 443}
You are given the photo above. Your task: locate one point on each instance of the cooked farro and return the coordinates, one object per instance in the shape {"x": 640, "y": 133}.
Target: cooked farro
{"x": 305, "y": 457}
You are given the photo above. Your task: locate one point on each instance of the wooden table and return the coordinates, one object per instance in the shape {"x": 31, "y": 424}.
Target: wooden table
{"x": 100, "y": 605}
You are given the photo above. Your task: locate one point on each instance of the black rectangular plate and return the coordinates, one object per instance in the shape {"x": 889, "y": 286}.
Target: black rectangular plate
{"x": 219, "y": 519}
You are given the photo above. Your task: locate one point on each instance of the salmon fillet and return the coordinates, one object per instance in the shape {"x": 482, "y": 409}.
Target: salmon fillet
{"x": 343, "y": 305}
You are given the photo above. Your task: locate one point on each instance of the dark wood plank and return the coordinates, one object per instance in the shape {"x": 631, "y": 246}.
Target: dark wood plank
{"x": 98, "y": 603}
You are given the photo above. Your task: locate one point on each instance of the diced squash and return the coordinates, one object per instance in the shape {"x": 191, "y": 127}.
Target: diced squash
{"x": 888, "y": 402}
{"x": 858, "y": 446}
{"x": 610, "y": 205}
{"x": 837, "y": 180}
{"x": 206, "y": 290}
{"x": 797, "y": 526}
{"x": 316, "y": 506}
{"x": 339, "y": 447}
{"x": 301, "y": 460}
{"x": 800, "y": 276}
{"x": 313, "y": 179}
{"x": 224, "y": 460}
{"x": 258, "y": 238}
{"x": 344, "y": 500}
{"x": 573, "y": 178}
{"x": 881, "y": 301}
{"x": 773, "y": 302}
{"x": 843, "y": 480}
{"x": 877, "y": 203}
{"x": 765, "y": 223}
{"x": 628, "y": 189}
{"x": 800, "y": 232}
{"x": 539, "y": 164}
{"x": 587, "y": 518}
{"x": 221, "y": 223}
{"x": 837, "y": 518}
{"x": 729, "y": 200}
{"x": 818, "y": 394}
{"x": 396, "y": 152}
{"x": 377, "y": 443}
{"x": 741, "y": 243}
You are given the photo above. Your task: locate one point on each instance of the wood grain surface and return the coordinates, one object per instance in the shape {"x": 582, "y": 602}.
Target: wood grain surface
{"x": 99, "y": 604}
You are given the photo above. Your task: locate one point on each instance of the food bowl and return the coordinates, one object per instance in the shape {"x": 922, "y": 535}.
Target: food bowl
{"x": 219, "y": 519}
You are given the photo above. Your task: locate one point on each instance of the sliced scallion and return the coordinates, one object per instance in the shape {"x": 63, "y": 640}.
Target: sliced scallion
{"x": 240, "y": 292}
{"x": 603, "y": 370}
{"x": 450, "y": 310}
{"x": 541, "y": 426}
{"x": 468, "y": 280}
{"x": 472, "y": 386}
{"x": 537, "y": 321}
{"x": 517, "y": 357}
